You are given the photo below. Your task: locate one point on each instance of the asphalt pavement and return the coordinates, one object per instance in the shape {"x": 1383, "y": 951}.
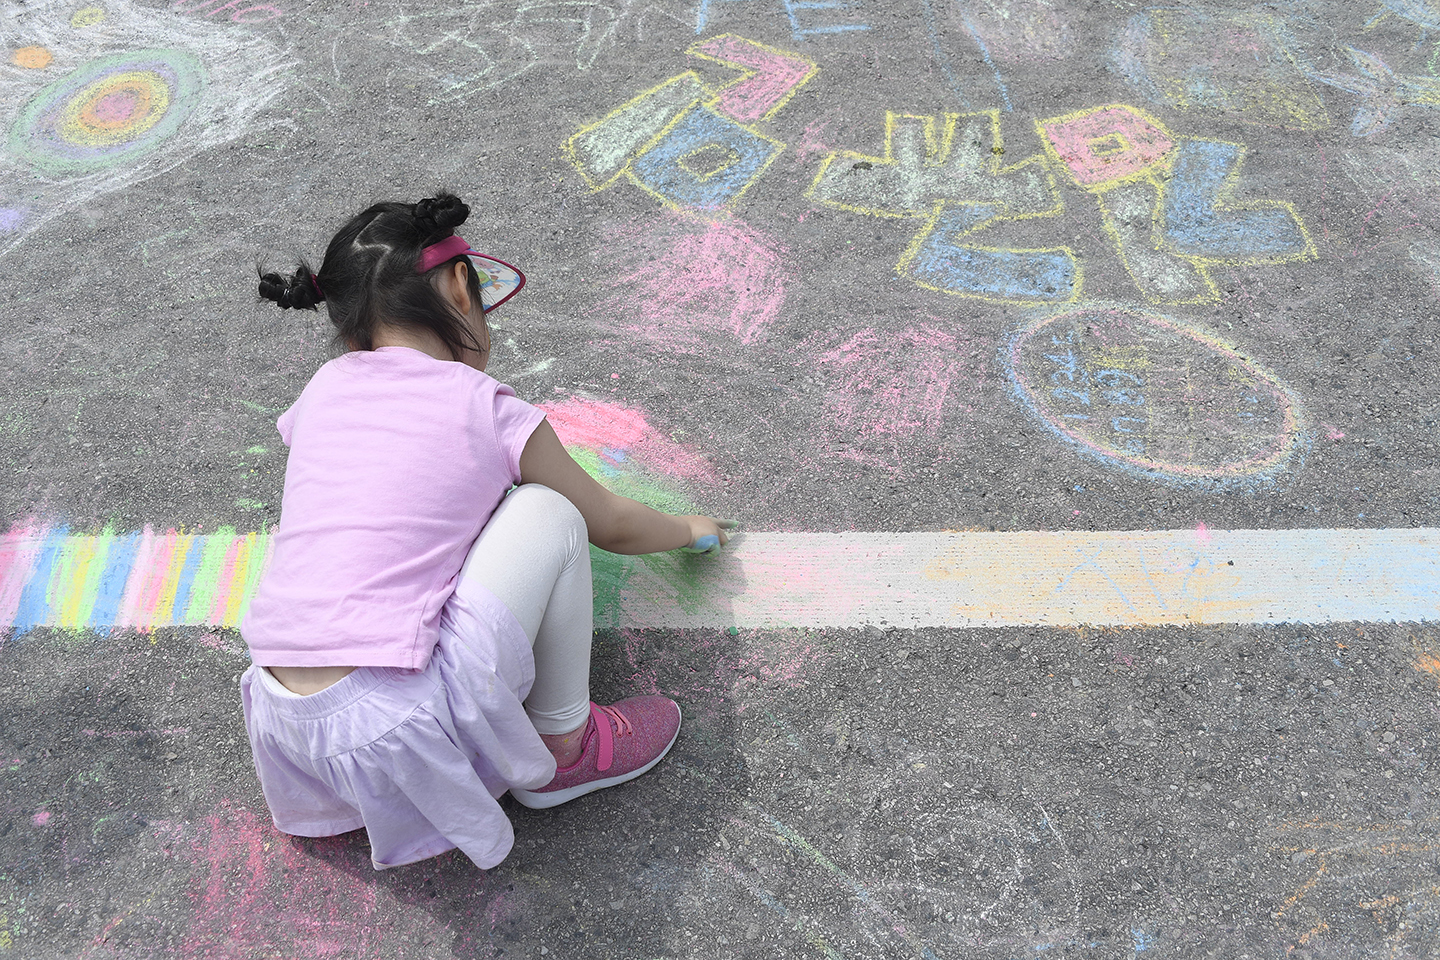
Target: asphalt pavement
{"x": 1095, "y": 333}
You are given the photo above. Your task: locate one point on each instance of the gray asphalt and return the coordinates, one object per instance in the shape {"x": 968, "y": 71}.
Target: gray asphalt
{"x": 1231, "y": 205}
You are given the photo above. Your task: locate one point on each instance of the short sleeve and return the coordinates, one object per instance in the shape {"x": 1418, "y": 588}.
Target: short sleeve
{"x": 515, "y": 420}
{"x": 286, "y": 423}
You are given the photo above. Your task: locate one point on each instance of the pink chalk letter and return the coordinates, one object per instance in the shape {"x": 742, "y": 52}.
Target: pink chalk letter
{"x": 1107, "y": 145}
{"x": 775, "y": 75}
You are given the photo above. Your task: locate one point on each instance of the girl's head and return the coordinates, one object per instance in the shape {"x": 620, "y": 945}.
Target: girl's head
{"x": 369, "y": 278}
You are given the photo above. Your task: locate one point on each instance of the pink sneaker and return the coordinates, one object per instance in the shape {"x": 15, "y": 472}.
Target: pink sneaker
{"x": 621, "y": 742}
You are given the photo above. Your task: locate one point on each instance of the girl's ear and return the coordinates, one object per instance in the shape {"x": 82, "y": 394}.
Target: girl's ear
{"x": 459, "y": 287}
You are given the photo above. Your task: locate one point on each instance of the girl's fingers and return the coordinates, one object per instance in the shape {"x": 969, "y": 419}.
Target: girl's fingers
{"x": 706, "y": 544}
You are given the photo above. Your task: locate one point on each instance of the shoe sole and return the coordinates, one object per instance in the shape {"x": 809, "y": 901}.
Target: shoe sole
{"x": 553, "y": 798}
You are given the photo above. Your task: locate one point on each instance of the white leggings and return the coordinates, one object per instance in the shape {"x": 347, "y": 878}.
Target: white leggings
{"x": 534, "y": 556}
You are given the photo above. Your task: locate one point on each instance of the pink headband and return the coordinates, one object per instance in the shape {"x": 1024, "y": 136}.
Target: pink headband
{"x": 447, "y": 249}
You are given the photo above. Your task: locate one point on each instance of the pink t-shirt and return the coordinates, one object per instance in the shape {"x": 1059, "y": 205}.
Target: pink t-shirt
{"x": 397, "y": 460}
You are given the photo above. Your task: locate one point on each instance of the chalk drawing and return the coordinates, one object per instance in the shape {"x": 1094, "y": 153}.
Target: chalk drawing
{"x": 773, "y": 580}
{"x": 623, "y": 439}
{"x": 1155, "y": 397}
{"x": 32, "y": 58}
{"x": 595, "y": 24}
{"x": 684, "y": 142}
{"x": 1199, "y": 221}
{"x": 459, "y": 51}
{"x": 1240, "y": 65}
{"x": 236, "y": 11}
{"x": 1060, "y": 578}
{"x": 940, "y": 50}
{"x": 1021, "y": 31}
{"x": 87, "y": 16}
{"x": 925, "y": 162}
{"x": 1357, "y": 880}
{"x": 1130, "y": 214}
{"x": 943, "y": 258}
{"x": 145, "y": 580}
{"x": 144, "y": 93}
{"x": 961, "y": 871}
{"x": 1166, "y": 201}
{"x": 1382, "y": 92}
{"x": 253, "y": 892}
{"x": 619, "y": 448}
{"x": 130, "y": 581}
{"x": 110, "y": 111}
{"x": 954, "y": 177}
{"x": 739, "y": 665}
{"x": 681, "y": 280}
{"x": 1426, "y": 13}
{"x": 806, "y": 18}
{"x": 1104, "y": 145}
{"x": 770, "y": 79}
{"x": 705, "y": 161}
{"x": 889, "y": 390}
{"x": 1425, "y": 254}
{"x": 602, "y": 151}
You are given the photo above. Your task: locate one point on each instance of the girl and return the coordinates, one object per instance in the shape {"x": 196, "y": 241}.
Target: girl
{"x": 421, "y": 638}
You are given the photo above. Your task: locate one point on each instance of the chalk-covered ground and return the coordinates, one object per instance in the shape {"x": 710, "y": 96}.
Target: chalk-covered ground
{"x": 1142, "y": 276}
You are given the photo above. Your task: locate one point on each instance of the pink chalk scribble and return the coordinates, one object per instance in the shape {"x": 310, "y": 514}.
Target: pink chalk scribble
{"x": 1332, "y": 433}
{"x": 18, "y": 550}
{"x": 892, "y": 387}
{"x": 597, "y": 425}
{"x": 682, "y": 278}
{"x": 41, "y": 818}
{"x": 1107, "y": 144}
{"x": 258, "y": 892}
{"x": 1202, "y": 532}
{"x": 221, "y": 642}
{"x": 813, "y": 142}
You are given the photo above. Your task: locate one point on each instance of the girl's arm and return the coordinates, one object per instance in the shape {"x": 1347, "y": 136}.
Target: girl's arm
{"x": 616, "y": 523}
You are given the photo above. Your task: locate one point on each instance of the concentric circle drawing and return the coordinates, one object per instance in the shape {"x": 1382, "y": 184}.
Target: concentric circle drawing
{"x": 1152, "y": 395}
{"x": 109, "y": 111}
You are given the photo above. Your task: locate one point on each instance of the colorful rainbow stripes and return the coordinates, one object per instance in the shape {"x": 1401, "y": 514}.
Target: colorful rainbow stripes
{"x": 127, "y": 581}
{"x": 141, "y": 581}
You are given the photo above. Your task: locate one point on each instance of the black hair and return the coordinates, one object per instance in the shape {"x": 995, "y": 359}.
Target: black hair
{"x": 368, "y": 276}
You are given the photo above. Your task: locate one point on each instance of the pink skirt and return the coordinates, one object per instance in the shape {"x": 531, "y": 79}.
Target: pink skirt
{"x": 416, "y": 757}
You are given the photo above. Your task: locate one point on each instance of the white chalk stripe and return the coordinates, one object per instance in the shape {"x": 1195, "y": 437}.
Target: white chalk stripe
{"x": 1061, "y": 578}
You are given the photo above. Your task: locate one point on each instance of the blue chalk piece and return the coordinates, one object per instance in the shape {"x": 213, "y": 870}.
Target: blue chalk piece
{"x": 942, "y": 263}
{"x": 705, "y": 544}
{"x": 1194, "y": 224}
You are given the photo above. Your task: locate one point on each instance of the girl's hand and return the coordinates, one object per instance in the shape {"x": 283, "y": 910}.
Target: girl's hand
{"x": 615, "y": 523}
{"x": 708, "y": 535}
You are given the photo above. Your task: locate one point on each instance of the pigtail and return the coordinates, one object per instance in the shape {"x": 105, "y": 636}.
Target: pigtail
{"x": 441, "y": 213}
{"x": 300, "y": 291}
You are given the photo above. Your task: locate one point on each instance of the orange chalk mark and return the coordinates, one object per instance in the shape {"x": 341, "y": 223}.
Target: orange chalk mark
{"x": 32, "y": 58}
{"x": 1304, "y": 888}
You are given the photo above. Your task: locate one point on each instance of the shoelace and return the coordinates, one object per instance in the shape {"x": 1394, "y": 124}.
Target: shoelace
{"x": 622, "y": 722}
{"x": 603, "y": 717}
